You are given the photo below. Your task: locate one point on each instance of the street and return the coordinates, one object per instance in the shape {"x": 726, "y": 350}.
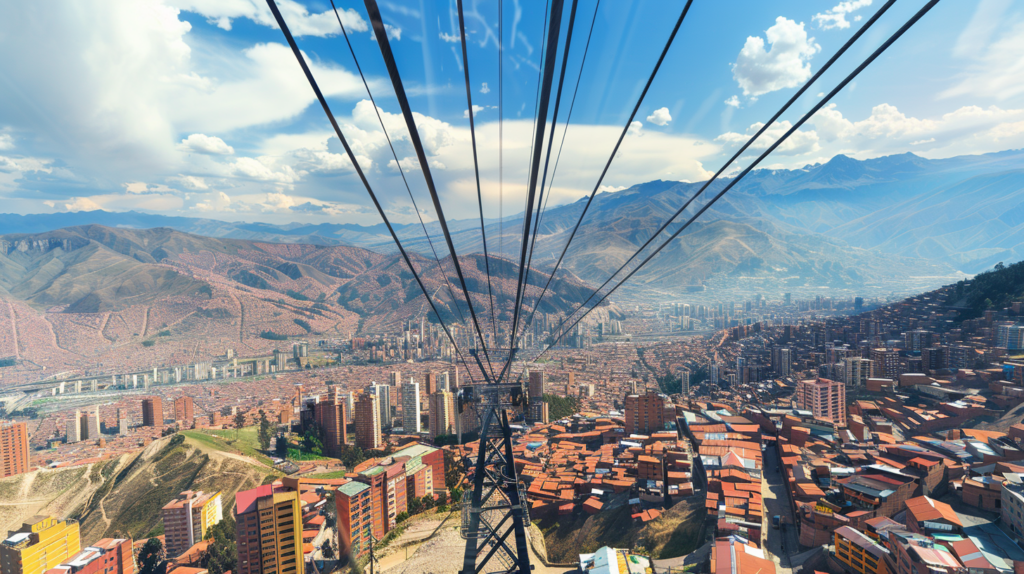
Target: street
{"x": 783, "y": 542}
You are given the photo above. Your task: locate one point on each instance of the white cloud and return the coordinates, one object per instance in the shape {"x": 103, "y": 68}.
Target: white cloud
{"x": 476, "y": 110}
{"x": 886, "y": 131}
{"x": 450, "y": 38}
{"x": 393, "y": 32}
{"x": 300, "y": 21}
{"x": 611, "y": 188}
{"x": 785, "y": 65}
{"x": 202, "y": 143}
{"x": 216, "y": 202}
{"x": 836, "y": 17}
{"x": 260, "y": 170}
{"x": 139, "y": 87}
{"x": 24, "y": 164}
{"x": 993, "y": 55}
{"x": 801, "y": 142}
{"x": 635, "y": 128}
{"x": 660, "y": 117}
{"x": 733, "y": 101}
{"x": 191, "y": 182}
{"x": 6, "y": 142}
{"x": 82, "y": 204}
{"x": 278, "y": 202}
{"x": 484, "y": 89}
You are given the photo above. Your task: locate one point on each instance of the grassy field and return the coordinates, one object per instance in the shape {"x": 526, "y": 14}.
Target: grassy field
{"x": 246, "y": 443}
{"x": 296, "y": 454}
{"x": 329, "y": 475}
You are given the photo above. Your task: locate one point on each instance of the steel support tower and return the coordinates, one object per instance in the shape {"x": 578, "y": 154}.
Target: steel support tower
{"x": 495, "y": 514}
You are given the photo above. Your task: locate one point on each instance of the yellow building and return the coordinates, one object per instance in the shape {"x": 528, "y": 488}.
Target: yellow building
{"x": 281, "y": 533}
{"x": 40, "y": 544}
{"x": 188, "y": 518}
{"x": 859, "y": 552}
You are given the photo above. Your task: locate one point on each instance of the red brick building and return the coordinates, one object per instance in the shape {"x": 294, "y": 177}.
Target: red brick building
{"x": 152, "y": 412}
{"x": 354, "y": 505}
{"x": 184, "y": 410}
{"x": 13, "y": 448}
{"x": 647, "y": 413}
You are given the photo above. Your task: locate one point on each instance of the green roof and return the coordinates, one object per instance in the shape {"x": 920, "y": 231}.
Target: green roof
{"x": 415, "y": 450}
{"x": 413, "y": 464}
{"x": 352, "y": 488}
{"x": 373, "y": 471}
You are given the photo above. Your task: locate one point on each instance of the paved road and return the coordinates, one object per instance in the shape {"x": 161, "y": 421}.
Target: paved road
{"x": 784, "y": 542}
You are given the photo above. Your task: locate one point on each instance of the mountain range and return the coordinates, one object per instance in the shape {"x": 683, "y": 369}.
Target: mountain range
{"x": 841, "y": 224}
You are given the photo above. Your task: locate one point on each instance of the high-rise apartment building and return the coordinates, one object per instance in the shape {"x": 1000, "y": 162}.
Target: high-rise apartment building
{"x": 152, "y": 412}
{"x": 73, "y": 428}
{"x": 1010, "y": 337}
{"x": 268, "y": 530}
{"x": 13, "y": 448}
{"x": 123, "y": 422}
{"x": 187, "y": 519}
{"x": 40, "y": 544}
{"x": 353, "y": 503}
{"x": 648, "y": 412}
{"x": 431, "y": 387}
{"x": 887, "y": 363}
{"x": 442, "y": 415}
{"x": 394, "y": 378}
{"x": 684, "y": 381}
{"x": 383, "y": 393}
{"x": 411, "y": 407}
{"x": 857, "y": 371}
{"x": 90, "y": 422}
{"x": 407, "y": 473}
{"x": 825, "y": 398}
{"x": 368, "y": 422}
{"x": 538, "y": 385}
{"x": 330, "y": 416}
{"x": 184, "y": 410}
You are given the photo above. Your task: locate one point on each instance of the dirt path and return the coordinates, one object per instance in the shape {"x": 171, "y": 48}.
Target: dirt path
{"x": 103, "y": 326}
{"x": 14, "y": 328}
{"x": 145, "y": 322}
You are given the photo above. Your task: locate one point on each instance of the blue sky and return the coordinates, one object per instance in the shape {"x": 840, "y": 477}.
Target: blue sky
{"x": 198, "y": 108}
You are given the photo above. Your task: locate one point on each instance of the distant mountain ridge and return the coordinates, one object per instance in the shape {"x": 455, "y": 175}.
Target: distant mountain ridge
{"x": 928, "y": 217}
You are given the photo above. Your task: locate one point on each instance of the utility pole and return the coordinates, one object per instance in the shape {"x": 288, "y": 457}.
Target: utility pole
{"x": 373, "y": 553}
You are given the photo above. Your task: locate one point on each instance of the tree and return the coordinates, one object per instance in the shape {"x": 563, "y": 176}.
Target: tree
{"x": 311, "y": 442}
{"x": 415, "y": 505}
{"x": 442, "y": 502}
{"x": 402, "y": 517}
{"x": 151, "y": 555}
{"x": 561, "y": 407}
{"x": 281, "y": 446}
{"x": 428, "y": 502}
{"x": 239, "y": 422}
{"x": 266, "y": 431}
{"x": 351, "y": 456}
{"x": 221, "y": 555}
{"x": 452, "y": 470}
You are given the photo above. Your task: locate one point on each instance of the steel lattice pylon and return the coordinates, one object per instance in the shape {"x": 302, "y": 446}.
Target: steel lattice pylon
{"x": 495, "y": 509}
